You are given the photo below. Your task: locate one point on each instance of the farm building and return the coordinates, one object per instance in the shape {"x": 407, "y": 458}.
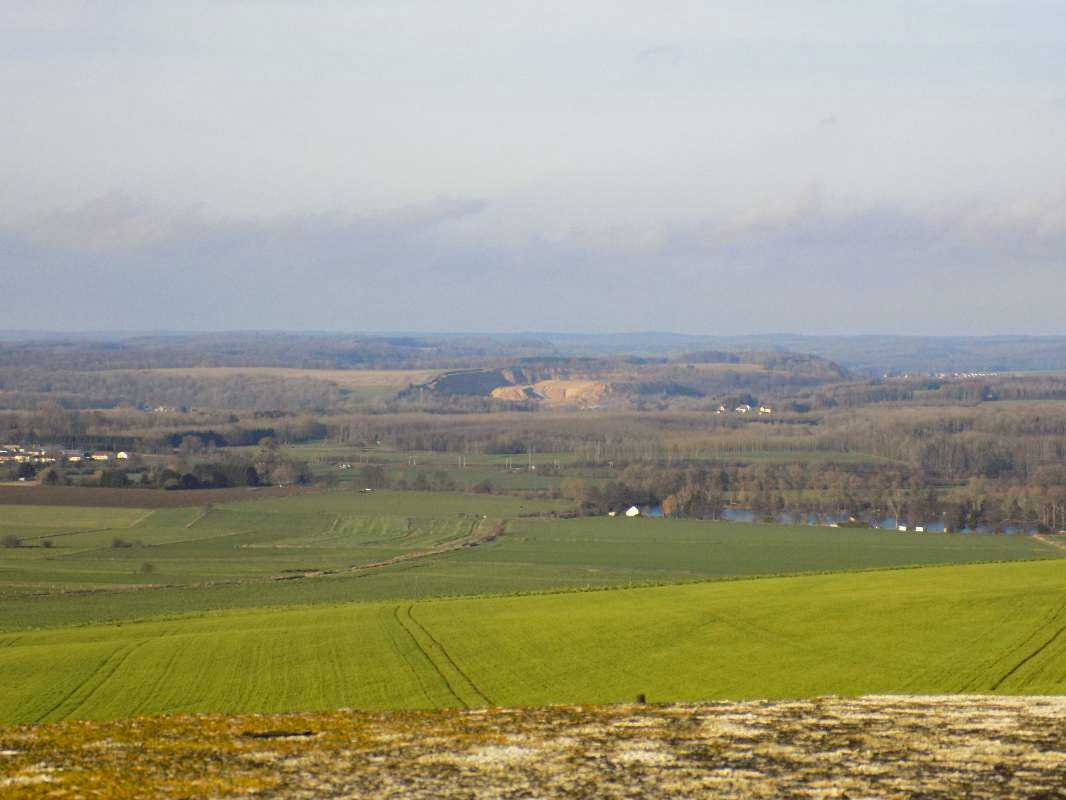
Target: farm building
{"x": 632, "y": 511}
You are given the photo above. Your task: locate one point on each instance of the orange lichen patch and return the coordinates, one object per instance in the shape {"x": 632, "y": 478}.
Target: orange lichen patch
{"x": 873, "y": 746}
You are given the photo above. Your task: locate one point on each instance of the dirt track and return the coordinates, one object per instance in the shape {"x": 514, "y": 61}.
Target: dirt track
{"x": 897, "y": 747}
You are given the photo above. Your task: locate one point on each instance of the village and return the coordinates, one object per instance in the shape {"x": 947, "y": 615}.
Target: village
{"x": 17, "y": 454}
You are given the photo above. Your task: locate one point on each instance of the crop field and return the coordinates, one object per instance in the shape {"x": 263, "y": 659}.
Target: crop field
{"x": 94, "y": 497}
{"x": 432, "y": 599}
{"x": 990, "y": 628}
{"x": 94, "y": 565}
{"x": 71, "y": 549}
{"x": 678, "y": 549}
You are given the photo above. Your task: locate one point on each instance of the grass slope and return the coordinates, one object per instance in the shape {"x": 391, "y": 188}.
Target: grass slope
{"x": 663, "y": 549}
{"x": 233, "y": 555}
{"x": 975, "y": 628}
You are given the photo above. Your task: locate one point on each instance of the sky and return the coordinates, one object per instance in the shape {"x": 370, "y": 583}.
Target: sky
{"x": 735, "y": 167}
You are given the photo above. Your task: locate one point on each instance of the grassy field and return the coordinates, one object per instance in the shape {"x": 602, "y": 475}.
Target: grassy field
{"x": 679, "y": 549}
{"x": 331, "y": 547}
{"x": 72, "y": 549}
{"x": 973, "y": 628}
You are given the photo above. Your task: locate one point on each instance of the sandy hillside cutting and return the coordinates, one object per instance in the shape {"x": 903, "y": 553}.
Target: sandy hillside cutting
{"x": 558, "y": 392}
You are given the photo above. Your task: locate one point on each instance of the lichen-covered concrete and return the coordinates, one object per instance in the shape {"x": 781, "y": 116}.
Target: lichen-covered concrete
{"x": 930, "y": 747}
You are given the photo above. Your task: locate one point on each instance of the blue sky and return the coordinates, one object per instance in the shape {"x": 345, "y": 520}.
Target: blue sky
{"x": 726, "y": 167}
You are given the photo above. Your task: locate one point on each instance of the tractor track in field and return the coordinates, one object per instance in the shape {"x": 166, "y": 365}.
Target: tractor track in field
{"x": 108, "y": 667}
{"x": 1058, "y": 545}
{"x": 472, "y": 539}
{"x": 1029, "y": 657}
{"x": 428, "y": 657}
{"x": 1034, "y": 653}
{"x": 462, "y": 673}
{"x": 67, "y": 533}
{"x": 203, "y": 513}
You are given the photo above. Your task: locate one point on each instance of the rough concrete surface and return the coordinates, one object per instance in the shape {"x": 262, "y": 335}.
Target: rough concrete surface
{"x": 877, "y": 746}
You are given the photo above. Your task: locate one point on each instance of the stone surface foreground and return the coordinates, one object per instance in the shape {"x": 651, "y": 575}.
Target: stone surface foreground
{"x": 878, "y": 746}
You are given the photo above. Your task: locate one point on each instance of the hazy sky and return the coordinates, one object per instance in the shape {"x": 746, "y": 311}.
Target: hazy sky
{"x": 816, "y": 166}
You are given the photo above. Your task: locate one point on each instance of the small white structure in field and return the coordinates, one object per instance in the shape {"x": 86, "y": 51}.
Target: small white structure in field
{"x": 632, "y": 511}
{"x": 765, "y": 410}
{"x": 122, "y": 455}
{"x": 919, "y": 529}
{"x": 743, "y": 409}
{"x": 902, "y": 528}
{"x": 611, "y": 513}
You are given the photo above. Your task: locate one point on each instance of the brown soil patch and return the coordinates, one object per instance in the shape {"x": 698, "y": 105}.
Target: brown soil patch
{"x": 574, "y": 393}
{"x": 893, "y": 747}
{"x": 86, "y": 496}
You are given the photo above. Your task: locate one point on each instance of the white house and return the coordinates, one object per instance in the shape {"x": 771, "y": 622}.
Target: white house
{"x": 632, "y": 511}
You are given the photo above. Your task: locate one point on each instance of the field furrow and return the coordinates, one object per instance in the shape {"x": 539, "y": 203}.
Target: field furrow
{"x": 402, "y": 616}
{"x": 81, "y": 694}
{"x": 439, "y": 648}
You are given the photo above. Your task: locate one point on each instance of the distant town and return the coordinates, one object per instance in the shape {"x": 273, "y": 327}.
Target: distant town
{"x": 13, "y": 453}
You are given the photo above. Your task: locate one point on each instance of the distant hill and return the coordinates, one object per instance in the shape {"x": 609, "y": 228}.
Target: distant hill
{"x": 870, "y": 355}
{"x": 588, "y": 382}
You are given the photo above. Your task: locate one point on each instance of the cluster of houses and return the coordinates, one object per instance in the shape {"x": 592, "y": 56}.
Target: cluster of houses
{"x": 744, "y": 408}
{"x": 941, "y": 375}
{"x": 13, "y": 453}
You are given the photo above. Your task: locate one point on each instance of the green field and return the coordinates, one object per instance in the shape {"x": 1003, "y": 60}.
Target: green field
{"x": 414, "y": 600}
{"x": 234, "y": 541}
{"x": 359, "y": 546}
{"x": 974, "y": 628}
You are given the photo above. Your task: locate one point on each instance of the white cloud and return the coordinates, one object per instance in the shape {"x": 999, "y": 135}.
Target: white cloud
{"x": 119, "y": 225}
{"x": 808, "y": 263}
